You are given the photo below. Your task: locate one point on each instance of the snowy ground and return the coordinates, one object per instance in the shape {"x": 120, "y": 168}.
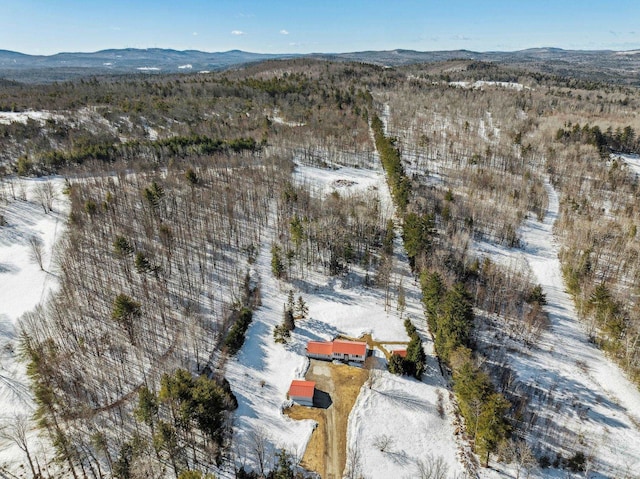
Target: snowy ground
{"x": 7, "y": 117}
{"x": 478, "y": 85}
{"x": 23, "y": 286}
{"x": 585, "y": 403}
{"x": 632, "y": 161}
{"x": 402, "y": 408}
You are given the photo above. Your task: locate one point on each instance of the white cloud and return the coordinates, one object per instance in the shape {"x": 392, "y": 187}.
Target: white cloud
{"x": 284, "y": 32}
{"x": 237, "y": 32}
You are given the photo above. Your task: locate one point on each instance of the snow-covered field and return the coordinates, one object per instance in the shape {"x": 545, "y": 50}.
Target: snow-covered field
{"x": 23, "y": 285}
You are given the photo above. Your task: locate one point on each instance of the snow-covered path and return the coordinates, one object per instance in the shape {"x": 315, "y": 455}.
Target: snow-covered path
{"x": 590, "y": 406}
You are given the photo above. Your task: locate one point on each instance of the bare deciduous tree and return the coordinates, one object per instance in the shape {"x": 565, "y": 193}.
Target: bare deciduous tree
{"x": 46, "y": 195}
{"x": 259, "y": 444}
{"x": 432, "y": 468}
{"x": 383, "y": 442}
{"x": 353, "y": 468}
{"x": 36, "y": 250}
{"x": 16, "y": 430}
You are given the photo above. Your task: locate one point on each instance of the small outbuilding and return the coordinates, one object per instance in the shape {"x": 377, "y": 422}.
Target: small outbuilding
{"x": 399, "y": 352}
{"x": 302, "y": 392}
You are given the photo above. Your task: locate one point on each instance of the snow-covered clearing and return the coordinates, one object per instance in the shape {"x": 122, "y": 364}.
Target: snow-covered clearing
{"x": 402, "y": 408}
{"x": 584, "y": 402}
{"x": 632, "y": 161}
{"x": 24, "y": 286}
{"x": 276, "y": 118}
{"x": 7, "y": 117}
{"x": 482, "y": 83}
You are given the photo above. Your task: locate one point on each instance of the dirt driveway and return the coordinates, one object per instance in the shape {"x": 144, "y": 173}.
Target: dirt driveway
{"x": 337, "y": 388}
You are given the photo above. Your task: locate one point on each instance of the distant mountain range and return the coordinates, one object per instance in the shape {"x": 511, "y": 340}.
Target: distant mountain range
{"x": 621, "y": 66}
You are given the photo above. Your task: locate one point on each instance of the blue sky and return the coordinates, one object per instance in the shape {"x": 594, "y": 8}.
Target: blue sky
{"x": 51, "y": 26}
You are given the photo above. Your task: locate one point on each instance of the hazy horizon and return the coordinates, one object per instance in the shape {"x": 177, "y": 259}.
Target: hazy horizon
{"x": 39, "y": 27}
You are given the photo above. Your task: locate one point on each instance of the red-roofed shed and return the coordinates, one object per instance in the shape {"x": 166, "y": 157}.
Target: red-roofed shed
{"x": 302, "y": 392}
{"x": 399, "y": 352}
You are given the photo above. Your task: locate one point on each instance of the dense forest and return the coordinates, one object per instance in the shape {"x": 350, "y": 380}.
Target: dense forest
{"x": 175, "y": 182}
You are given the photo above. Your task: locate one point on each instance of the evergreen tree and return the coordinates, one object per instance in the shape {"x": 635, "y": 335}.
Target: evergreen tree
{"x": 284, "y": 466}
{"x": 492, "y": 428}
{"x": 147, "y": 409}
{"x": 290, "y": 301}
{"x": 433, "y": 290}
{"x": 122, "y": 247}
{"x": 191, "y": 176}
{"x": 301, "y": 308}
{"x": 142, "y": 264}
{"x": 417, "y": 233}
{"x": 416, "y": 357}
{"x": 297, "y": 231}
{"x": 288, "y": 321}
{"x": 397, "y": 364}
{"x": 125, "y": 312}
{"x": 455, "y": 323}
{"x": 277, "y": 267}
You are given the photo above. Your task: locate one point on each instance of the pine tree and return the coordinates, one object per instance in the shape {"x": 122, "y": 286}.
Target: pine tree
{"x": 290, "y": 301}
{"x": 455, "y": 323}
{"x": 277, "y": 267}
{"x": 284, "y": 466}
{"x": 125, "y": 312}
{"x": 287, "y": 320}
{"x": 147, "y": 409}
{"x": 301, "y": 308}
{"x": 191, "y": 176}
{"x": 416, "y": 357}
{"x": 397, "y": 364}
{"x": 433, "y": 290}
{"x": 492, "y": 428}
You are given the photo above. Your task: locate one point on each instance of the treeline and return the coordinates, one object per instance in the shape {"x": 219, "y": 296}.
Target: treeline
{"x": 391, "y": 162}
{"x": 175, "y": 147}
{"x": 450, "y": 317}
{"x": 622, "y": 140}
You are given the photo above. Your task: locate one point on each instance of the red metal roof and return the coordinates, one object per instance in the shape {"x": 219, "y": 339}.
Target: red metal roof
{"x": 349, "y": 347}
{"x": 300, "y": 388}
{"x": 400, "y": 352}
{"x": 318, "y": 347}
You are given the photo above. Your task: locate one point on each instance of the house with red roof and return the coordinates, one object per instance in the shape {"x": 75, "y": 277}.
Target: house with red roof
{"x": 302, "y": 392}
{"x": 337, "y": 349}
